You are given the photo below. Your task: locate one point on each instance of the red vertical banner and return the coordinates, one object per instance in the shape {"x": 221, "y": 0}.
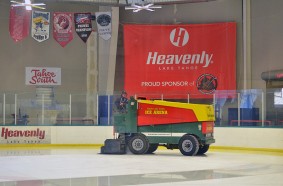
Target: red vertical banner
{"x": 195, "y": 59}
{"x": 19, "y": 24}
{"x": 63, "y": 27}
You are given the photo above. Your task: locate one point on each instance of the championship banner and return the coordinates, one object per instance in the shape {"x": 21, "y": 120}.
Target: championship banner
{"x": 195, "y": 59}
{"x": 83, "y": 25}
{"x": 43, "y": 76}
{"x": 62, "y": 28}
{"x": 103, "y": 20}
{"x": 19, "y": 24}
{"x": 40, "y": 25}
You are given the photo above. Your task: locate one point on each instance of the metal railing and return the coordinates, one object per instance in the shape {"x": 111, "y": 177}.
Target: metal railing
{"x": 236, "y": 108}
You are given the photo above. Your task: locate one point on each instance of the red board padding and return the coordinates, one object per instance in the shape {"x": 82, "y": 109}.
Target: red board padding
{"x": 179, "y": 59}
{"x": 149, "y": 114}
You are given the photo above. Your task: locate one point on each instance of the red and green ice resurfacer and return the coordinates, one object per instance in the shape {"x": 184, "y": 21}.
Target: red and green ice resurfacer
{"x": 147, "y": 124}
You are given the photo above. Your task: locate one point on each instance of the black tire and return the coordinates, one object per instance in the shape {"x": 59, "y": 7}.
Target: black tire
{"x": 203, "y": 149}
{"x": 138, "y": 144}
{"x": 188, "y": 145}
{"x": 152, "y": 147}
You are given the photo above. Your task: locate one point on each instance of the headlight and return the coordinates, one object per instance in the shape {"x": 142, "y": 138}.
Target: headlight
{"x": 209, "y": 135}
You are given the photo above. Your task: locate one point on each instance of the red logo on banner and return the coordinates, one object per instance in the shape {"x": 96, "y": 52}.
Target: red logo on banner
{"x": 19, "y": 23}
{"x": 179, "y": 60}
{"x": 62, "y": 28}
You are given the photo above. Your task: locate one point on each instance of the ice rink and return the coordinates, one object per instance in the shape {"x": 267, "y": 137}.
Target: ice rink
{"x": 87, "y": 167}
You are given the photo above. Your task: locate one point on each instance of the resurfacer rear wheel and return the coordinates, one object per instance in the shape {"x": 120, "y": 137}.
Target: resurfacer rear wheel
{"x": 188, "y": 145}
{"x": 138, "y": 144}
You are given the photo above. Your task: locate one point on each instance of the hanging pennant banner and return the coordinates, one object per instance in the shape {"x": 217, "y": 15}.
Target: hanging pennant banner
{"x": 40, "y": 25}
{"x": 62, "y": 28}
{"x": 19, "y": 23}
{"x": 83, "y": 25}
{"x": 103, "y": 20}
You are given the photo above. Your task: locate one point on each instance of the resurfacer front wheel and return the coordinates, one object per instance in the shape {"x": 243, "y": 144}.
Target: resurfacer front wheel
{"x": 203, "y": 149}
{"x": 188, "y": 145}
{"x": 138, "y": 144}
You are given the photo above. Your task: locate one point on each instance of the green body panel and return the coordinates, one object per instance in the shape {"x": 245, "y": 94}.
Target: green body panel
{"x": 172, "y": 133}
{"x": 165, "y": 133}
{"x": 126, "y": 122}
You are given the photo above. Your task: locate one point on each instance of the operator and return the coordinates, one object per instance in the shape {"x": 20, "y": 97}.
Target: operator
{"x": 122, "y": 105}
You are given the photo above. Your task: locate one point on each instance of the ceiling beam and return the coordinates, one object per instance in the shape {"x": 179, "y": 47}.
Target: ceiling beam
{"x": 125, "y": 2}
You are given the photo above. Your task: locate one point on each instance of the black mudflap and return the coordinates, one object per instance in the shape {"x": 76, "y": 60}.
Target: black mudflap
{"x": 113, "y": 146}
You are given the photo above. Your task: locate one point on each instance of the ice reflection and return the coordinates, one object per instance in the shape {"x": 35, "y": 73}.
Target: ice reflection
{"x": 135, "y": 179}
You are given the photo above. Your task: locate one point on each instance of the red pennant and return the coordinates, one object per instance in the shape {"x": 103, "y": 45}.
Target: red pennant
{"x": 62, "y": 28}
{"x": 19, "y": 23}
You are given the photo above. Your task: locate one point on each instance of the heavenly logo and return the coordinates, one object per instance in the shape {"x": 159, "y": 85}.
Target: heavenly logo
{"x": 179, "y": 37}
{"x": 7, "y": 133}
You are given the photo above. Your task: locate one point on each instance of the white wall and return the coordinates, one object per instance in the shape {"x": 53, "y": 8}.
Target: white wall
{"x": 265, "y": 138}
{"x": 14, "y": 57}
{"x": 270, "y": 138}
{"x": 80, "y": 135}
